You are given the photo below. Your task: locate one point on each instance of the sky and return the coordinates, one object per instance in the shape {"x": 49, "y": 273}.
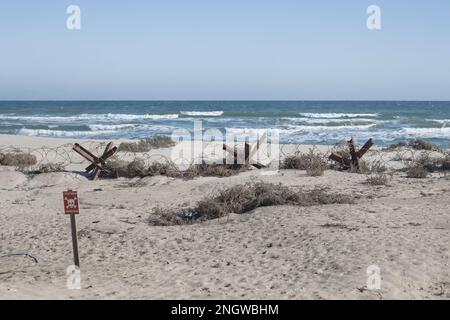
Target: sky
{"x": 225, "y": 50}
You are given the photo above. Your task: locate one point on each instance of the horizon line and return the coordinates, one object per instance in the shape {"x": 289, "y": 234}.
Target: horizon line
{"x": 225, "y": 100}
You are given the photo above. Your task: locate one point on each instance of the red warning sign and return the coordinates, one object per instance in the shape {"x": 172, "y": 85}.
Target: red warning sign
{"x": 71, "y": 202}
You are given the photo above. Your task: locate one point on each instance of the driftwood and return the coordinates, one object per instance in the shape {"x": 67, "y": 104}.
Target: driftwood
{"x": 98, "y": 164}
{"x": 353, "y": 162}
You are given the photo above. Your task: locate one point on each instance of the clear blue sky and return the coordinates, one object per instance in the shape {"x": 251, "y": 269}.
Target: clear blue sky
{"x": 230, "y": 49}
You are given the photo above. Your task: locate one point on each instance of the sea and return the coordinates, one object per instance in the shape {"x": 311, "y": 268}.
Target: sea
{"x": 302, "y": 122}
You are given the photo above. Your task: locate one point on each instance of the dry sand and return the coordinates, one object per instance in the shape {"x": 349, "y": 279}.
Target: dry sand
{"x": 282, "y": 252}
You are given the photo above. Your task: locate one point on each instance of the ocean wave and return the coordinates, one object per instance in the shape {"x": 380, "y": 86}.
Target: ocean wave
{"x": 330, "y": 120}
{"x": 202, "y": 113}
{"x": 59, "y": 133}
{"x": 428, "y": 132}
{"x": 85, "y": 116}
{"x": 251, "y": 131}
{"x": 111, "y": 127}
{"x": 441, "y": 121}
{"x": 290, "y": 129}
{"x": 337, "y": 115}
{"x": 331, "y": 128}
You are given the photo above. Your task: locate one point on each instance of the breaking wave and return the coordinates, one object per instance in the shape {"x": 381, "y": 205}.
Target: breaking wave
{"x": 202, "y": 113}
{"x": 337, "y": 115}
{"x": 87, "y": 117}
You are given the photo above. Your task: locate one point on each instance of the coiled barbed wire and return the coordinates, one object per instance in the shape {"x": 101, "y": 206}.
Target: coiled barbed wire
{"x": 64, "y": 156}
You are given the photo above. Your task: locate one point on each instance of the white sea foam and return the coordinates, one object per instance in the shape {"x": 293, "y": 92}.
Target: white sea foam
{"x": 441, "y": 121}
{"x": 160, "y": 116}
{"x": 331, "y": 128}
{"x": 251, "y": 131}
{"x": 329, "y": 120}
{"x": 102, "y": 127}
{"x": 202, "y": 113}
{"x": 337, "y": 115}
{"x": 428, "y": 132}
{"x": 291, "y": 129}
{"x": 59, "y": 133}
{"x": 85, "y": 117}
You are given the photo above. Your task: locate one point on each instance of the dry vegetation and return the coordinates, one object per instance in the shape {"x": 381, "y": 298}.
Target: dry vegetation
{"x": 211, "y": 170}
{"x": 395, "y": 146}
{"x": 417, "y": 144}
{"x": 341, "y": 149}
{"x": 399, "y": 156}
{"x": 420, "y": 166}
{"x": 313, "y": 162}
{"x": 445, "y": 161}
{"x": 420, "y": 144}
{"x": 416, "y": 170}
{"x": 47, "y": 168}
{"x": 378, "y": 179}
{"x": 244, "y": 198}
{"x": 428, "y": 162}
{"x": 146, "y": 145}
{"x": 432, "y": 164}
{"x": 138, "y": 168}
{"x": 17, "y": 159}
{"x": 375, "y": 166}
{"x": 376, "y": 172}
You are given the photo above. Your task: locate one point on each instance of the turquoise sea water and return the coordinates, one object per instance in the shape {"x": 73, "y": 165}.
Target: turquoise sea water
{"x": 311, "y": 122}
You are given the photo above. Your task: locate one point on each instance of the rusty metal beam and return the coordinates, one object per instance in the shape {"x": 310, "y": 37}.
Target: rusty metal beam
{"x": 365, "y": 148}
{"x": 98, "y": 164}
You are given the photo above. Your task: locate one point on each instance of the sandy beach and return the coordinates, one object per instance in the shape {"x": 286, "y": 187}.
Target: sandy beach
{"x": 274, "y": 252}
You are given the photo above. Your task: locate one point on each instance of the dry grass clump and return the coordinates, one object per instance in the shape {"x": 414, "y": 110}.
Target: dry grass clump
{"x": 242, "y": 199}
{"x": 313, "y": 162}
{"x": 417, "y": 171}
{"x": 376, "y": 172}
{"x": 401, "y": 144}
{"x": 146, "y": 145}
{"x": 168, "y": 217}
{"x": 378, "y": 179}
{"x": 50, "y": 167}
{"x": 293, "y": 162}
{"x": 445, "y": 161}
{"x": 211, "y": 170}
{"x": 17, "y": 159}
{"x": 417, "y": 144}
{"x": 375, "y": 166}
{"x": 116, "y": 167}
{"x": 138, "y": 168}
{"x": 421, "y": 144}
{"x": 425, "y": 163}
{"x": 421, "y": 166}
{"x": 425, "y": 160}
{"x": 167, "y": 169}
{"x": 401, "y": 157}
{"x": 432, "y": 164}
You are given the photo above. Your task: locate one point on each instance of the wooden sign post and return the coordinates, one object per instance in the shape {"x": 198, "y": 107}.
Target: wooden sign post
{"x": 71, "y": 207}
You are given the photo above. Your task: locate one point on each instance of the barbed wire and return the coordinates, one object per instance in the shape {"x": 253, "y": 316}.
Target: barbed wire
{"x": 64, "y": 156}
